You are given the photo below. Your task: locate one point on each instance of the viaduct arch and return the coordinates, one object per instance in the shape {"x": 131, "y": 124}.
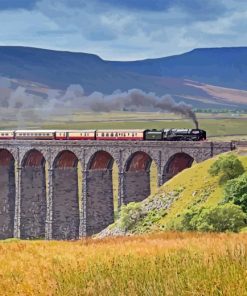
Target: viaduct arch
{"x": 176, "y": 164}
{"x": 99, "y": 195}
{"x": 40, "y": 183}
{"x": 65, "y": 207}
{"x": 33, "y": 196}
{"x": 137, "y": 177}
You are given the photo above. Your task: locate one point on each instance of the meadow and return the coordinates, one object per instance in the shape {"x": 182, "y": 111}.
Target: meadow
{"x": 158, "y": 264}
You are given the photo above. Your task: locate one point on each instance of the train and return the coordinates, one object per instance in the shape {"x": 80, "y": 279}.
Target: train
{"x": 107, "y": 135}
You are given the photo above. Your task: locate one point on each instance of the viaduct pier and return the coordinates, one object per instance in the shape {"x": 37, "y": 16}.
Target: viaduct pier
{"x": 64, "y": 189}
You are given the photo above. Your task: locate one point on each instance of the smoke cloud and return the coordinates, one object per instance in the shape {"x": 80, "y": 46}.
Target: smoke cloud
{"x": 74, "y": 97}
{"x": 138, "y": 99}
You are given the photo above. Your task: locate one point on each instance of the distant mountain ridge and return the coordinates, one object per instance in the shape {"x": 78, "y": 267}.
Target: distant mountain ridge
{"x": 225, "y": 66}
{"x": 213, "y": 77}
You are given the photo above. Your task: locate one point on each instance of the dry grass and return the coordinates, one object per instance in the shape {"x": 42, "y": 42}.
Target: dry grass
{"x": 158, "y": 264}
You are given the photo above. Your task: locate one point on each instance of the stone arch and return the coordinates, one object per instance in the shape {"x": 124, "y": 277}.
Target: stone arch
{"x": 7, "y": 194}
{"x": 136, "y": 177}
{"x": 33, "y": 195}
{"x": 99, "y": 193}
{"x": 176, "y": 164}
{"x": 138, "y": 161}
{"x": 65, "y": 208}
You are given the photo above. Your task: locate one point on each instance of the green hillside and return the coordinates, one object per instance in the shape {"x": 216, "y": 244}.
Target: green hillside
{"x": 194, "y": 187}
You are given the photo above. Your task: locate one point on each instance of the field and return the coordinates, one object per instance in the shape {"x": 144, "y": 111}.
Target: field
{"x": 218, "y": 126}
{"x": 159, "y": 264}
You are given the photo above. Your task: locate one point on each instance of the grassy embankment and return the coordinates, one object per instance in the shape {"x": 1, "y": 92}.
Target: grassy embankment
{"x": 160, "y": 264}
{"x": 193, "y": 187}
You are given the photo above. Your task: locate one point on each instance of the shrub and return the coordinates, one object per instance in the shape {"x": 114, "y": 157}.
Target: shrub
{"x": 228, "y": 167}
{"x": 236, "y": 191}
{"x": 187, "y": 218}
{"x": 129, "y": 215}
{"x": 222, "y": 218}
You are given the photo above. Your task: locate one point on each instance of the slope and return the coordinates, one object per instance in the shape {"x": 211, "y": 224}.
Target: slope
{"x": 191, "y": 188}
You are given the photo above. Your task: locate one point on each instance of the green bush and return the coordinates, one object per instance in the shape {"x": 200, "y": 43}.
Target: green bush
{"x": 236, "y": 191}
{"x": 187, "y": 218}
{"x": 228, "y": 167}
{"x": 129, "y": 215}
{"x": 222, "y": 218}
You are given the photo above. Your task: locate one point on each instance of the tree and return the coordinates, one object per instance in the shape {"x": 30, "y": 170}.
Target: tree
{"x": 228, "y": 167}
{"x": 236, "y": 191}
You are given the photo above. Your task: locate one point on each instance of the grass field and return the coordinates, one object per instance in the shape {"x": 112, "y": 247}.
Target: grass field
{"x": 160, "y": 264}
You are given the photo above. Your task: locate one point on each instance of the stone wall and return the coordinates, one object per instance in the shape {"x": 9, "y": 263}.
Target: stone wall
{"x": 99, "y": 201}
{"x": 33, "y": 202}
{"x": 136, "y": 186}
{"x": 7, "y": 201}
{"x": 65, "y": 204}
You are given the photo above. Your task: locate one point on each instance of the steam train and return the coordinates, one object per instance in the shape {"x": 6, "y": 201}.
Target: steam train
{"x": 107, "y": 135}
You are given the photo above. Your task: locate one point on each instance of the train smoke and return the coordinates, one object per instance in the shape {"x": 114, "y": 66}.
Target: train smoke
{"x": 139, "y": 99}
{"x": 74, "y": 97}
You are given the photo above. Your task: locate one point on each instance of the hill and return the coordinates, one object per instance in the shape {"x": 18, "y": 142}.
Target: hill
{"x": 225, "y": 67}
{"x": 193, "y": 187}
{"x": 204, "y": 78}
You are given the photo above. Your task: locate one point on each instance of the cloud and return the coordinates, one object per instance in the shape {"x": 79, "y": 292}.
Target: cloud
{"x": 125, "y": 30}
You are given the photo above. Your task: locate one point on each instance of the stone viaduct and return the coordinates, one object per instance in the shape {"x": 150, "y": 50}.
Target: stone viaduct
{"x": 40, "y": 182}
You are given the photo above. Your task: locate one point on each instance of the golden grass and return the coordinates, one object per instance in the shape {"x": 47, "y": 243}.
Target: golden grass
{"x": 157, "y": 264}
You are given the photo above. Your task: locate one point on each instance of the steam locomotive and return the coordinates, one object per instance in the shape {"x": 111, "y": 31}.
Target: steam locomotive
{"x": 107, "y": 135}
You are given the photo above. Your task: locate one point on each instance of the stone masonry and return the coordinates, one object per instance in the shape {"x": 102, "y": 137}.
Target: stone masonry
{"x": 39, "y": 183}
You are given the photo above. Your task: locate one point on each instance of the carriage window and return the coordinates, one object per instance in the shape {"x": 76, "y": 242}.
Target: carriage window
{"x": 132, "y": 134}
{"x": 107, "y": 135}
{"x": 116, "y": 134}
{"x": 103, "y": 134}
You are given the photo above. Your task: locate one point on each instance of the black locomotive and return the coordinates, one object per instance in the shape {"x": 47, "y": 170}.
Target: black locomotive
{"x": 175, "y": 135}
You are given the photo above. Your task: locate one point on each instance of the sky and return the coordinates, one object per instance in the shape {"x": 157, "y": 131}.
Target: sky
{"x": 124, "y": 29}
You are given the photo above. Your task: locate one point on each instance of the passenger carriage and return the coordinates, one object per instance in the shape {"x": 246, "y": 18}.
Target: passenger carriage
{"x": 120, "y": 135}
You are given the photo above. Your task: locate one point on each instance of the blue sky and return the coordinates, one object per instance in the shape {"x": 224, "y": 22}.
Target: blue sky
{"x": 124, "y": 30}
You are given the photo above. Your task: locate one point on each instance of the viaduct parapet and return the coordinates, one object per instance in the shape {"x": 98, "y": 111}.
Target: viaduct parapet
{"x": 63, "y": 189}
